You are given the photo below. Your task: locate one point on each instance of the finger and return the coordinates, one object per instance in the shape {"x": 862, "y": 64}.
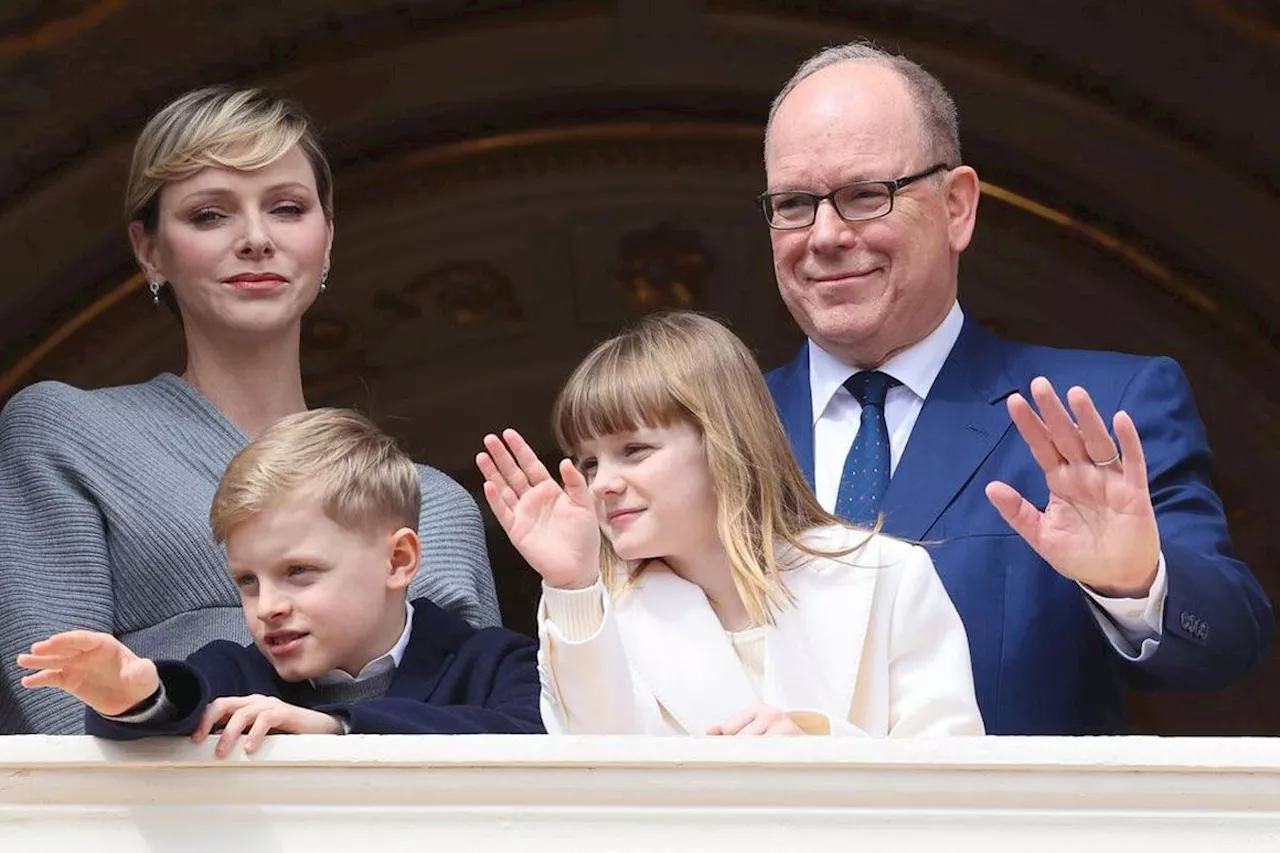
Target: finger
{"x": 258, "y": 732}
{"x": 214, "y": 713}
{"x": 758, "y": 726}
{"x": 236, "y": 724}
{"x": 512, "y": 477}
{"x": 575, "y": 485}
{"x": 491, "y": 475}
{"x": 44, "y": 678}
{"x": 715, "y": 731}
{"x": 1017, "y": 512}
{"x": 1034, "y": 433}
{"x": 46, "y": 661}
{"x": 501, "y": 510}
{"x": 1131, "y": 455}
{"x": 1062, "y": 427}
{"x": 527, "y": 459}
{"x": 1098, "y": 445}
{"x": 68, "y": 642}
{"x": 734, "y": 724}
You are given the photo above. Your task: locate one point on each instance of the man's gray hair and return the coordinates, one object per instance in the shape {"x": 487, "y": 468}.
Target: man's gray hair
{"x": 934, "y": 106}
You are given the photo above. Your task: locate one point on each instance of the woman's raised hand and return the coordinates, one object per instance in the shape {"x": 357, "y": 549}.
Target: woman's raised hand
{"x": 554, "y": 528}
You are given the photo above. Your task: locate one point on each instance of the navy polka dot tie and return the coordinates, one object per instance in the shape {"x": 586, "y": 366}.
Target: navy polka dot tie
{"x": 866, "y": 469}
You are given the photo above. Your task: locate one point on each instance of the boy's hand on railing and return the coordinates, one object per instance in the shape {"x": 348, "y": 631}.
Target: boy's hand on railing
{"x": 260, "y": 716}
{"x": 96, "y": 668}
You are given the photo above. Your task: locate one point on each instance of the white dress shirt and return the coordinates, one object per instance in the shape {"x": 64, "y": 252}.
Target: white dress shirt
{"x": 1133, "y": 625}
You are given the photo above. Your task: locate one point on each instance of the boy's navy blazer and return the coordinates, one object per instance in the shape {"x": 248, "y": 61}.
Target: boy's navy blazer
{"x": 1041, "y": 664}
{"x": 453, "y": 679}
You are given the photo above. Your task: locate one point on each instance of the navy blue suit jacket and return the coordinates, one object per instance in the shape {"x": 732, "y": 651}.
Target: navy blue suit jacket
{"x": 1041, "y": 664}
{"x": 453, "y": 679}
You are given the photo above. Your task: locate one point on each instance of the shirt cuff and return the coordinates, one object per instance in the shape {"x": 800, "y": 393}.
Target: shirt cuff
{"x": 1133, "y": 625}
{"x": 154, "y": 709}
{"x": 577, "y": 613}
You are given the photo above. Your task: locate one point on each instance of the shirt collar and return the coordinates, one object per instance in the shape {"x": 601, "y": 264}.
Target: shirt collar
{"x": 916, "y": 367}
{"x": 379, "y": 665}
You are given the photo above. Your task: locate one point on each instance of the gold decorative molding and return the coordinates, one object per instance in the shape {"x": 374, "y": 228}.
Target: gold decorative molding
{"x": 1135, "y": 257}
{"x": 15, "y": 374}
{"x": 55, "y": 31}
{"x": 1242, "y": 21}
{"x": 455, "y": 155}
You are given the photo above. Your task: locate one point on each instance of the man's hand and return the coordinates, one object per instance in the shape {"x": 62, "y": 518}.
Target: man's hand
{"x": 261, "y": 715}
{"x": 1099, "y": 528}
{"x": 758, "y": 720}
{"x": 96, "y": 668}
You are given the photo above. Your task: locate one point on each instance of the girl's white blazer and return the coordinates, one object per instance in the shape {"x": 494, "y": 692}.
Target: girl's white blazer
{"x": 872, "y": 646}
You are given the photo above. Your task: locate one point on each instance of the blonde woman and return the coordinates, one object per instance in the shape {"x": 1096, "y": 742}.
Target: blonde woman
{"x": 722, "y": 600}
{"x": 104, "y": 494}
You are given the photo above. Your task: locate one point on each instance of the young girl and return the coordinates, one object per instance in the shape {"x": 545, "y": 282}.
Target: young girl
{"x": 724, "y": 600}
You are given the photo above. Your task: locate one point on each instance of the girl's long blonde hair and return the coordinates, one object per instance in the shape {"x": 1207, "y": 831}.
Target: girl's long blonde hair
{"x": 682, "y": 365}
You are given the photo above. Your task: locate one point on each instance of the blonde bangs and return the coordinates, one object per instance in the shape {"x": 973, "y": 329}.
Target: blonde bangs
{"x": 614, "y": 390}
{"x": 245, "y": 150}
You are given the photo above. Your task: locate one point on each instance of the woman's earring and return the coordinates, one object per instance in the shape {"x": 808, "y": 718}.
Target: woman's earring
{"x": 324, "y": 276}
{"x": 154, "y": 285}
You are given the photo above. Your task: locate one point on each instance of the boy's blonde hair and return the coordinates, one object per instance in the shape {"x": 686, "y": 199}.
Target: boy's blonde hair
{"x": 682, "y": 366}
{"x": 365, "y": 481}
{"x": 219, "y": 126}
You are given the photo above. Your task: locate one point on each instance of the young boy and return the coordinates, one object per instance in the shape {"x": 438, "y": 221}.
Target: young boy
{"x": 319, "y": 518}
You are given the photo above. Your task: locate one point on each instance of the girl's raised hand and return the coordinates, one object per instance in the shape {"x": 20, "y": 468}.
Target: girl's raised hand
{"x": 553, "y": 528}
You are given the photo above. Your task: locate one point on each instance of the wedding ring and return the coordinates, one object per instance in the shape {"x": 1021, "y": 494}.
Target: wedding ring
{"x": 1113, "y": 460}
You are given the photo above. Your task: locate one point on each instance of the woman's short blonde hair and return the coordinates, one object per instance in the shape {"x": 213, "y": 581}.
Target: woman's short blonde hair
{"x": 219, "y": 126}
{"x": 683, "y": 366}
{"x": 366, "y": 482}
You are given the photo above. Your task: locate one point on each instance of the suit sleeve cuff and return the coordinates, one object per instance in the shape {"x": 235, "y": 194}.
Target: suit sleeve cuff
{"x": 1133, "y": 625}
{"x": 154, "y": 709}
{"x": 577, "y": 613}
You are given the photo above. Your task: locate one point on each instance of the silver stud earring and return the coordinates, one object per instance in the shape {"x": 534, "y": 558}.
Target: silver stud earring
{"x": 324, "y": 277}
{"x": 154, "y": 285}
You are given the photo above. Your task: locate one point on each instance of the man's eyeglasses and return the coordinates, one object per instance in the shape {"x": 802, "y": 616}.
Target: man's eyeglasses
{"x": 855, "y": 202}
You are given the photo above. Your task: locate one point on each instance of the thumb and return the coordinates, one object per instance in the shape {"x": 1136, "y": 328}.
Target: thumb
{"x": 575, "y": 485}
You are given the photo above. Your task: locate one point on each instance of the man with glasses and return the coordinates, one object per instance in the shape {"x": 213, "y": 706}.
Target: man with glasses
{"x": 1081, "y": 559}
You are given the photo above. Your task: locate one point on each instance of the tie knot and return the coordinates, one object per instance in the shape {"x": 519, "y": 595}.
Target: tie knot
{"x": 870, "y": 387}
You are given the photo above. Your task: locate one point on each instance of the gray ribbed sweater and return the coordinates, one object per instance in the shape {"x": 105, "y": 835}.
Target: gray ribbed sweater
{"x": 104, "y": 525}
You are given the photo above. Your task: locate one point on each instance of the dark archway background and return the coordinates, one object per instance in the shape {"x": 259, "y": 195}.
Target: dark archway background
{"x": 516, "y": 180}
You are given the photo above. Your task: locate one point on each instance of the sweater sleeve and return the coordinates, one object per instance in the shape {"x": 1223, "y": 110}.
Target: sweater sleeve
{"x": 455, "y": 571}
{"x": 54, "y": 568}
{"x": 586, "y": 679}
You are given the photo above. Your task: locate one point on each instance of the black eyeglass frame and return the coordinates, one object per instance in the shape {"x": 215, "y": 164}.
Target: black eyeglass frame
{"x": 892, "y": 187}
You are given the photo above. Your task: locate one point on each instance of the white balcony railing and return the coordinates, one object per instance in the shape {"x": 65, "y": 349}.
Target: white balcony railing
{"x": 525, "y": 794}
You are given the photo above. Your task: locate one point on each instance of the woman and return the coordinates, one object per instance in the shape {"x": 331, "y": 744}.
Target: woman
{"x": 105, "y": 494}
{"x": 725, "y": 601}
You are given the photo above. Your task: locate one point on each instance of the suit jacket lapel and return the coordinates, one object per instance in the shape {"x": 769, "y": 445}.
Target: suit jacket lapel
{"x": 789, "y": 385}
{"x": 680, "y": 652}
{"x": 960, "y": 424}
{"x": 813, "y": 652}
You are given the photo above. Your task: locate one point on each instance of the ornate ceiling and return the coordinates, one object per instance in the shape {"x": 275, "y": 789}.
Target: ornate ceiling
{"x": 513, "y": 183}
